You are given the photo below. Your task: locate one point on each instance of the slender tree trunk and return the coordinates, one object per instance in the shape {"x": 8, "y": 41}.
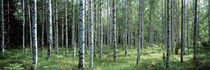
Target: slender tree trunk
{"x": 43, "y": 22}
{"x": 125, "y": 26}
{"x": 91, "y": 40}
{"x": 172, "y": 27}
{"x": 2, "y": 26}
{"x": 142, "y": 27}
{"x": 195, "y": 34}
{"x": 49, "y": 29}
{"x": 101, "y": 29}
{"x": 187, "y": 27}
{"x": 182, "y": 32}
{"x": 114, "y": 30}
{"x": 56, "y": 26}
{"x": 95, "y": 29}
{"x": 29, "y": 22}
{"x": 62, "y": 34}
{"x": 23, "y": 14}
{"x": 73, "y": 32}
{"x": 34, "y": 33}
{"x": 151, "y": 26}
{"x": 139, "y": 32}
{"x": 66, "y": 21}
{"x": 108, "y": 33}
{"x": 168, "y": 37}
{"x": 81, "y": 35}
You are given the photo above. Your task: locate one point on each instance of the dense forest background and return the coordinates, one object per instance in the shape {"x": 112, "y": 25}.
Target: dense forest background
{"x": 167, "y": 27}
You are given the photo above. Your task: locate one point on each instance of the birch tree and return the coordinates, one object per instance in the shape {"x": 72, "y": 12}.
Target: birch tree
{"x": 114, "y": 29}
{"x": 101, "y": 29}
{"x": 195, "y": 30}
{"x": 66, "y": 21}
{"x": 34, "y": 33}
{"x": 81, "y": 62}
{"x": 168, "y": 36}
{"x": 125, "y": 26}
{"x": 182, "y": 32}
{"x": 49, "y": 29}
{"x": 73, "y": 32}
{"x": 95, "y": 30}
{"x": 209, "y": 21}
{"x": 2, "y": 26}
{"x": 29, "y": 22}
{"x": 91, "y": 33}
{"x": 23, "y": 17}
{"x": 139, "y": 30}
{"x": 43, "y": 22}
{"x": 56, "y": 26}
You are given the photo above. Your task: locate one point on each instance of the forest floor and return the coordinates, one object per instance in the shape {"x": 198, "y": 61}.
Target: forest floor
{"x": 151, "y": 59}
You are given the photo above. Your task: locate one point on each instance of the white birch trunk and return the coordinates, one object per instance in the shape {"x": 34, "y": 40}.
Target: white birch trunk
{"x": 73, "y": 32}
{"x": 91, "y": 39}
{"x": 101, "y": 29}
{"x": 114, "y": 30}
{"x": 23, "y": 17}
{"x": 49, "y": 28}
{"x": 66, "y": 21}
{"x": 34, "y": 33}
{"x": 81, "y": 62}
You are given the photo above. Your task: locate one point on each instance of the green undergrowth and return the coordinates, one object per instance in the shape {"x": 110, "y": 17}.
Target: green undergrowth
{"x": 150, "y": 59}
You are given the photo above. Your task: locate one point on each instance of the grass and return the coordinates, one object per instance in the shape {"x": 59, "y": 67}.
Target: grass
{"x": 151, "y": 59}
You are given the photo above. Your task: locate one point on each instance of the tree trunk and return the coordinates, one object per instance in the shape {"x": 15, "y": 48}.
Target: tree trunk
{"x": 23, "y": 14}
{"x": 29, "y": 22}
{"x": 49, "y": 29}
{"x": 56, "y": 26}
{"x": 139, "y": 32}
{"x": 81, "y": 35}
{"x": 43, "y": 22}
{"x": 168, "y": 36}
{"x": 114, "y": 30}
{"x": 2, "y": 26}
{"x": 195, "y": 34}
{"x": 73, "y": 32}
{"x": 34, "y": 33}
{"x": 91, "y": 34}
{"x": 151, "y": 25}
{"x": 101, "y": 29}
{"x": 125, "y": 26}
{"x": 187, "y": 28}
{"x": 95, "y": 29}
{"x": 182, "y": 31}
{"x": 66, "y": 21}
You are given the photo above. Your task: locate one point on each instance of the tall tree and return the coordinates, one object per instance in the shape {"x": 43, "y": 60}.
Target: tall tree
{"x": 187, "y": 26}
{"x": 114, "y": 29}
{"x": 139, "y": 31}
{"x": 43, "y": 22}
{"x": 73, "y": 32}
{"x": 142, "y": 26}
{"x": 34, "y": 33}
{"x": 81, "y": 62}
{"x": 66, "y": 21}
{"x": 95, "y": 29}
{"x": 168, "y": 36}
{"x": 29, "y": 22}
{"x": 56, "y": 26}
{"x": 182, "y": 31}
{"x": 91, "y": 33}
{"x": 195, "y": 30}
{"x": 101, "y": 29}
{"x": 151, "y": 23}
{"x": 49, "y": 29}
{"x": 125, "y": 26}
{"x": 23, "y": 15}
{"x": 2, "y": 26}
